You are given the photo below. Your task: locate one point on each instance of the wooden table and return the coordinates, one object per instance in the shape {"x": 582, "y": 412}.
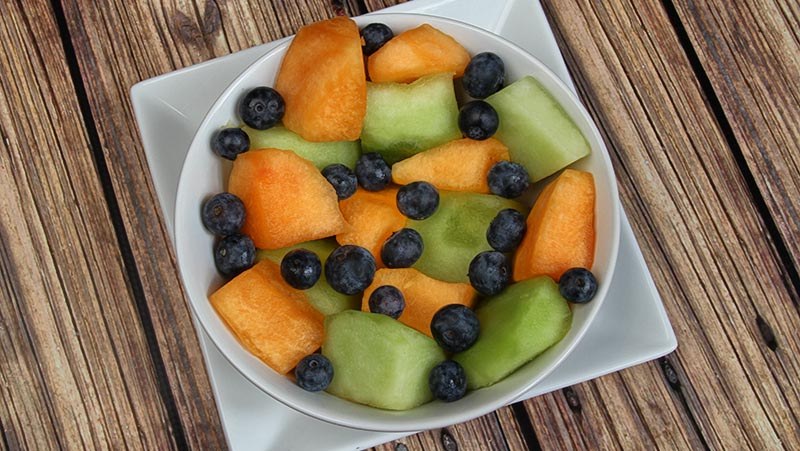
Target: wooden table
{"x": 699, "y": 104}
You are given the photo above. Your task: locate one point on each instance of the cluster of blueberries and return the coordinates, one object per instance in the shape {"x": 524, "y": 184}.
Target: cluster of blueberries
{"x": 350, "y": 269}
{"x": 224, "y": 213}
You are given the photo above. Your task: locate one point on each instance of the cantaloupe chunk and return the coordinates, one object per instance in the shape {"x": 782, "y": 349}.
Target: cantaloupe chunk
{"x": 417, "y": 52}
{"x": 424, "y": 295}
{"x": 372, "y": 217}
{"x": 323, "y": 82}
{"x": 460, "y": 165}
{"x": 286, "y": 199}
{"x": 560, "y": 232}
{"x": 269, "y": 318}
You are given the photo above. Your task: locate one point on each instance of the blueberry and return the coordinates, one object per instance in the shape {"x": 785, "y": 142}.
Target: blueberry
{"x": 484, "y": 75}
{"x": 233, "y": 254}
{"x": 418, "y": 200}
{"x": 508, "y": 179}
{"x": 455, "y": 327}
{"x": 387, "y": 300}
{"x": 350, "y": 269}
{"x": 506, "y": 230}
{"x": 230, "y": 142}
{"x": 342, "y": 179}
{"x": 578, "y": 285}
{"x": 261, "y": 108}
{"x": 301, "y": 268}
{"x": 447, "y": 381}
{"x": 489, "y": 272}
{"x": 372, "y": 172}
{"x": 314, "y": 372}
{"x": 478, "y": 120}
{"x": 402, "y": 249}
{"x": 375, "y": 35}
{"x": 223, "y": 214}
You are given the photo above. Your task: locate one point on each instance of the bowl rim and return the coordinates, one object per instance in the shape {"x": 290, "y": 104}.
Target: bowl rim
{"x": 403, "y": 424}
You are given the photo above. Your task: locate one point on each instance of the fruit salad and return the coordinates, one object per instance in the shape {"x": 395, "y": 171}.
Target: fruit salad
{"x": 372, "y": 236}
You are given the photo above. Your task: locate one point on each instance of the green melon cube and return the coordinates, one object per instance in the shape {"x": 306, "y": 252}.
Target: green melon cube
{"x": 379, "y": 361}
{"x": 537, "y": 131}
{"x": 320, "y": 153}
{"x": 516, "y": 325}
{"x": 322, "y": 296}
{"x": 405, "y": 119}
{"x": 456, "y": 233}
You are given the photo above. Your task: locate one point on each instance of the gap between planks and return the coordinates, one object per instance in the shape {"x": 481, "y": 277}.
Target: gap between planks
{"x": 123, "y": 240}
{"x": 791, "y": 277}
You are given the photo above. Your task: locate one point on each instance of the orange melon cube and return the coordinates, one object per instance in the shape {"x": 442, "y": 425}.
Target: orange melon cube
{"x": 323, "y": 82}
{"x": 424, "y": 295}
{"x": 272, "y": 320}
{"x": 560, "y": 231}
{"x": 415, "y": 53}
{"x": 436, "y": 166}
{"x": 372, "y": 217}
{"x": 286, "y": 199}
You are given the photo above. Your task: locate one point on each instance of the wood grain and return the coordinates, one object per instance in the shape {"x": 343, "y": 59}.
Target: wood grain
{"x": 696, "y": 101}
{"x": 702, "y": 235}
{"x": 640, "y": 407}
{"x": 496, "y": 431}
{"x": 148, "y": 39}
{"x": 76, "y": 369}
{"x": 750, "y": 53}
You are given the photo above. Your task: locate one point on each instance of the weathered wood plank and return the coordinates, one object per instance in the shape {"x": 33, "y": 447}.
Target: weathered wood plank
{"x": 148, "y": 39}
{"x": 750, "y": 52}
{"x": 76, "y": 369}
{"x": 496, "y": 431}
{"x": 711, "y": 261}
{"x": 703, "y": 237}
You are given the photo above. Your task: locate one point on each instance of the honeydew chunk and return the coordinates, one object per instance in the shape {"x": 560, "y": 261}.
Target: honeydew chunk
{"x": 516, "y": 326}
{"x": 321, "y": 154}
{"x": 379, "y": 361}
{"x": 404, "y": 119}
{"x": 456, "y": 233}
{"x": 538, "y": 132}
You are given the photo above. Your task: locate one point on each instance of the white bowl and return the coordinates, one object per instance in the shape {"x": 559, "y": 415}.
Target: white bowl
{"x": 204, "y": 174}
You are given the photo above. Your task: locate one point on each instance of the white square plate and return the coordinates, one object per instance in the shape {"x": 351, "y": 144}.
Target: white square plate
{"x": 631, "y": 328}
